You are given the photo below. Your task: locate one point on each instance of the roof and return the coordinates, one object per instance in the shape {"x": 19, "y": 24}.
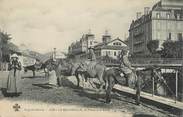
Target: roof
{"x": 162, "y": 5}
{"x": 174, "y": 3}
{"x": 106, "y": 46}
{"x": 168, "y": 3}
{"x": 114, "y": 47}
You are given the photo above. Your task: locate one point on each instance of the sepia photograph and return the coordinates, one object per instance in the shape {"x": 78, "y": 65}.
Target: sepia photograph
{"x": 91, "y": 58}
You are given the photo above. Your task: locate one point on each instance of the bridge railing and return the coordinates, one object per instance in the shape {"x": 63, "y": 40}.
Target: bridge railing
{"x": 163, "y": 63}
{"x": 156, "y": 60}
{"x": 145, "y": 61}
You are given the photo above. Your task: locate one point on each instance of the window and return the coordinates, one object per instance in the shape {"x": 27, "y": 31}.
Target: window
{"x": 109, "y": 52}
{"x": 158, "y": 15}
{"x": 90, "y": 42}
{"x": 168, "y": 15}
{"x": 114, "y": 53}
{"x": 179, "y": 36}
{"x": 106, "y": 53}
{"x": 117, "y": 43}
{"x": 178, "y": 16}
{"x": 169, "y": 36}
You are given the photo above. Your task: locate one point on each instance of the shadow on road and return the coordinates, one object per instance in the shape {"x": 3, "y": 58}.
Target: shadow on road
{"x": 32, "y": 77}
{"x": 92, "y": 94}
{"x": 124, "y": 100}
{"x": 66, "y": 83}
{"x": 143, "y": 115}
{"x": 44, "y": 85}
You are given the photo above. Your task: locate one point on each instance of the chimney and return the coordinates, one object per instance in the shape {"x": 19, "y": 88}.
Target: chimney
{"x": 90, "y": 36}
{"x": 146, "y": 10}
{"x": 139, "y": 14}
{"x": 54, "y": 53}
{"x": 106, "y": 37}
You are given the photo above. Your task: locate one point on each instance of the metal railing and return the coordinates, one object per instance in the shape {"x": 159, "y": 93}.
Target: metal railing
{"x": 156, "y": 60}
{"x": 163, "y": 63}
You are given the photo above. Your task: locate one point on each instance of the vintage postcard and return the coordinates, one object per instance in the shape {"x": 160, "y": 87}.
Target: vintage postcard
{"x": 91, "y": 58}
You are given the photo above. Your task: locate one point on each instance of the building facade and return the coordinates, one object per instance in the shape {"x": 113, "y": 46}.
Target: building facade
{"x": 163, "y": 22}
{"x": 111, "y": 48}
{"x": 108, "y": 47}
{"x": 87, "y": 41}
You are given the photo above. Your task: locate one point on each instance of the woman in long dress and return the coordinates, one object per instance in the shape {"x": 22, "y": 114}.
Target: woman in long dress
{"x": 14, "y": 77}
{"x": 52, "y": 78}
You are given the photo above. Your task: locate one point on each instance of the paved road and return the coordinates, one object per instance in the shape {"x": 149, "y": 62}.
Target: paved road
{"x": 75, "y": 99}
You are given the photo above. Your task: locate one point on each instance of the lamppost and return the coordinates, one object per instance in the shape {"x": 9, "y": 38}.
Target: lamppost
{"x": 54, "y": 53}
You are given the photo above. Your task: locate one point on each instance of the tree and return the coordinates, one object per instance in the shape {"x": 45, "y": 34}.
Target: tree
{"x": 152, "y": 46}
{"x": 172, "y": 49}
{"x": 4, "y": 48}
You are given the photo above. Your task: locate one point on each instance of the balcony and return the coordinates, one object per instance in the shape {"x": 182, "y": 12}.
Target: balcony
{"x": 138, "y": 42}
{"x": 138, "y": 32}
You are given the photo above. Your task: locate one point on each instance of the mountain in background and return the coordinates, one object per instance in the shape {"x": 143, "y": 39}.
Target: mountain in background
{"x": 25, "y": 50}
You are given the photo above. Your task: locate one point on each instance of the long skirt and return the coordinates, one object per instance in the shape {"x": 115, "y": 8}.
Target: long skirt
{"x": 14, "y": 82}
{"x": 52, "y": 78}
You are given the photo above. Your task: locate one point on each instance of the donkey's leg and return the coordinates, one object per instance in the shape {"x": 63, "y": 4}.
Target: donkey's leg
{"x": 106, "y": 84}
{"x": 59, "y": 80}
{"x": 83, "y": 80}
{"x": 34, "y": 73}
{"x": 101, "y": 80}
{"x": 46, "y": 74}
{"x": 110, "y": 86}
{"x": 78, "y": 80}
{"x": 138, "y": 89}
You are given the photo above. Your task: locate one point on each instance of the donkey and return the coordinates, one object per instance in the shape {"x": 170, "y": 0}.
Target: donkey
{"x": 112, "y": 77}
{"x": 35, "y": 68}
{"x": 90, "y": 70}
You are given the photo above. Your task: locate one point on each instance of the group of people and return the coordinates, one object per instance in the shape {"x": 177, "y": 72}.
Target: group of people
{"x": 14, "y": 78}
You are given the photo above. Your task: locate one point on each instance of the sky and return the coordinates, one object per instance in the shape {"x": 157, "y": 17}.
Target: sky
{"x": 45, "y": 24}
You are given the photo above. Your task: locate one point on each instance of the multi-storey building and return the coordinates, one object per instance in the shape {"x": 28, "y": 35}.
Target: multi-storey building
{"x": 80, "y": 48}
{"x": 107, "y": 47}
{"x": 164, "y": 21}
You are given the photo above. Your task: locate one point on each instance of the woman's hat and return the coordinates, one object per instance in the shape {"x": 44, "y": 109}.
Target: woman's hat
{"x": 14, "y": 56}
